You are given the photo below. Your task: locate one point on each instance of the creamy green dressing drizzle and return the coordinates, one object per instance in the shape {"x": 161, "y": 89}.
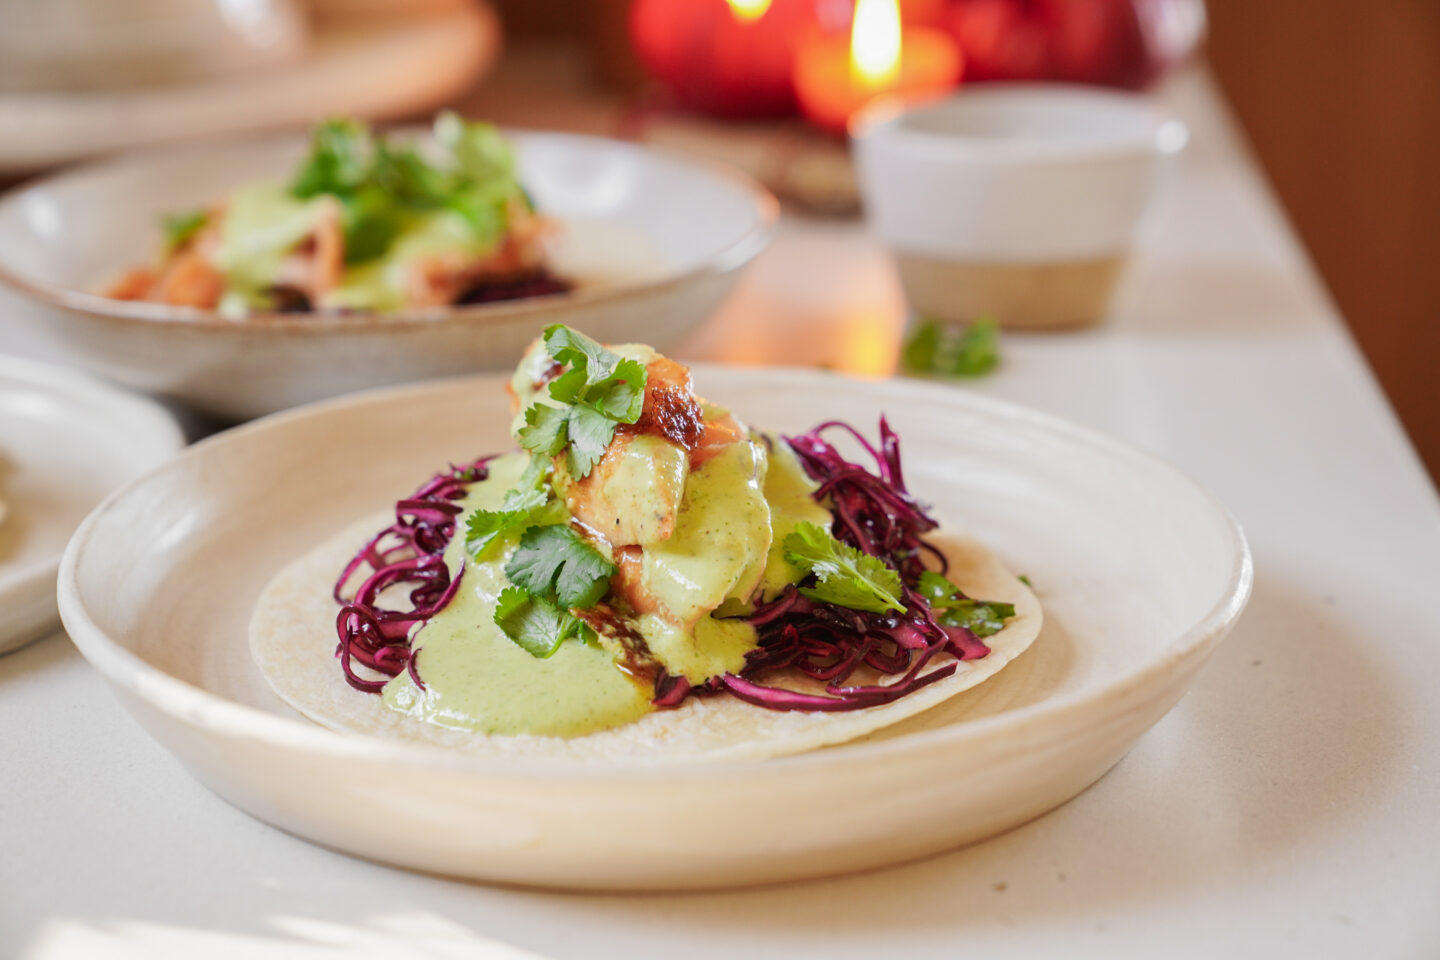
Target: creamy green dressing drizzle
{"x": 264, "y": 222}
{"x": 736, "y": 508}
{"x": 476, "y": 678}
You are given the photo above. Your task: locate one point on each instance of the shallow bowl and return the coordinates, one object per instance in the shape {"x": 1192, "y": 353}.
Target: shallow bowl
{"x": 654, "y": 241}
{"x": 66, "y": 441}
{"x": 1140, "y": 572}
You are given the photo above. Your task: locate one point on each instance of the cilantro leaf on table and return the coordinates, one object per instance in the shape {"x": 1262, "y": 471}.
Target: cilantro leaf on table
{"x": 984, "y": 618}
{"x": 939, "y": 349}
{"x": 554, "y": 563}
{"x": 845, "y": 576}
{"x": 536, "y": 625}
{"x": 599, "y": 390}
{"x": 180, "y": 227}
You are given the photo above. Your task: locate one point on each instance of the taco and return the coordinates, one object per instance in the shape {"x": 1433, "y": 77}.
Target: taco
{"x": 646, "y": 578}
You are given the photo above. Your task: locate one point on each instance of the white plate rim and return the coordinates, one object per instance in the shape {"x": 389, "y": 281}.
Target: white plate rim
{"x": 217, "y": 715}
{"x": 163, "y": 431}
{"x": 736, "y": 253}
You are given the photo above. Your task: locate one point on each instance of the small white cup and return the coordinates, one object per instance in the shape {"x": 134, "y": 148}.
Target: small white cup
{"x": 1017, "y": 201}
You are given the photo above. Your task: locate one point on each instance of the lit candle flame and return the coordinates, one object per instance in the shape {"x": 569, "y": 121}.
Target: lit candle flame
{"x": 875, "y": 42}
{"x": 747, "y": 10}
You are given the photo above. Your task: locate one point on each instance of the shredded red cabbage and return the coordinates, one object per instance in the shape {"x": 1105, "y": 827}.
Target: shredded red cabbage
{"x": 828, "y": 643}
{"x": 409, "y": 551}
{"x": 872, "y": 511}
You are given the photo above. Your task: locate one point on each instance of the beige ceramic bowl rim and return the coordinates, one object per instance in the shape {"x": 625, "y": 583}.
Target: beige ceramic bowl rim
{"x": 736, "y": 253}
{"x": 162, "y": 433}
{"x": 884, "y": 122}
{"x": 197, "y": 707}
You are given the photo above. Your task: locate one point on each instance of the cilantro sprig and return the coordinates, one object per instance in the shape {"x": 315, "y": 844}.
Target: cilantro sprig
{"x": 553, "y": 572}
{"x": 381, "y": 185}
{"x": 599, "y": 391}
{"x": 952, "y": 608}
{"x": 555, "y": 563}
{"x": 528, "y": 503}
{"x": 844, "y": 575}
{"x": 519, "y": 509}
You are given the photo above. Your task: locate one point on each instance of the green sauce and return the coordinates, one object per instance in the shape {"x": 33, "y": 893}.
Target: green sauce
{"x": 264, "y": 222}
{"x": 736, "y": 510}
{"x": 477, "y": 679}
{"x": 380, "y": 284}
{"x": 788, "y": 490}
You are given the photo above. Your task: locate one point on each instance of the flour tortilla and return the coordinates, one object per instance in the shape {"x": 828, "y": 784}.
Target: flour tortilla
{"x": 292, "y": 638}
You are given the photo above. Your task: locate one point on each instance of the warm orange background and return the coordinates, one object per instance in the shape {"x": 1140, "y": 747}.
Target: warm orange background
{"x": 1341, "y": 101}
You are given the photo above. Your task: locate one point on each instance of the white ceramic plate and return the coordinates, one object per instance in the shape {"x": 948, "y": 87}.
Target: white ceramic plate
{"x": 390, "y": 63}
{"x": 1140, "y": 571}
{"x": 65, "y": 442}
{"x": 653, "y": 240}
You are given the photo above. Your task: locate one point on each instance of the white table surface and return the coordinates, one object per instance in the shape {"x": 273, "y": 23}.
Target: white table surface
{"x": 1288, "y": 807}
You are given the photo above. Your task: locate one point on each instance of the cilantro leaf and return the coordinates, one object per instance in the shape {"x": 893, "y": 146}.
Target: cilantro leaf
{"x": 918, "y": 353}
{"x": 536, "y": 625}
{"x": 382, "y": 186}
{"x": 939, "y": 349}
{"x": 479, "y": 152}
{"x": 545, "y": 431}
{"x": 936, "y": 588}
{"x": 339, "y": 160}
{"x": 590, "y": 432}
{"x": 180, "y": 227}
{"x": 483, "y": 527}
{"x": 581, "y": 352}
{"x": 599, "y": 390}
{"x": 406, "y": 176}
{"x": 984, "y": 618}
{"x": 846, "y": 576}
{"x": 569, "y": 386}
{"x": 371, "y": 221}
{"x": 537, "y": 474}
{"x": 622, "y": 395}
{"x": 554, "y": 563}
{"x": 485, "y": 209}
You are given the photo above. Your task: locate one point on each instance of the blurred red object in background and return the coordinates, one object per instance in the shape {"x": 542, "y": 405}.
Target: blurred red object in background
{"x": 1117, "y": 43}
{"x": 732, "y": 58}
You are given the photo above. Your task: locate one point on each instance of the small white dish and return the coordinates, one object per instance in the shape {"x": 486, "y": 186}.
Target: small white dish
{"x": 1018, "y": 200}
{"x": 1140, "y": 572}
{"x": 65, "y": 442}
{"x": 654, "y": 242}
{"x": 390, "y": 61}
